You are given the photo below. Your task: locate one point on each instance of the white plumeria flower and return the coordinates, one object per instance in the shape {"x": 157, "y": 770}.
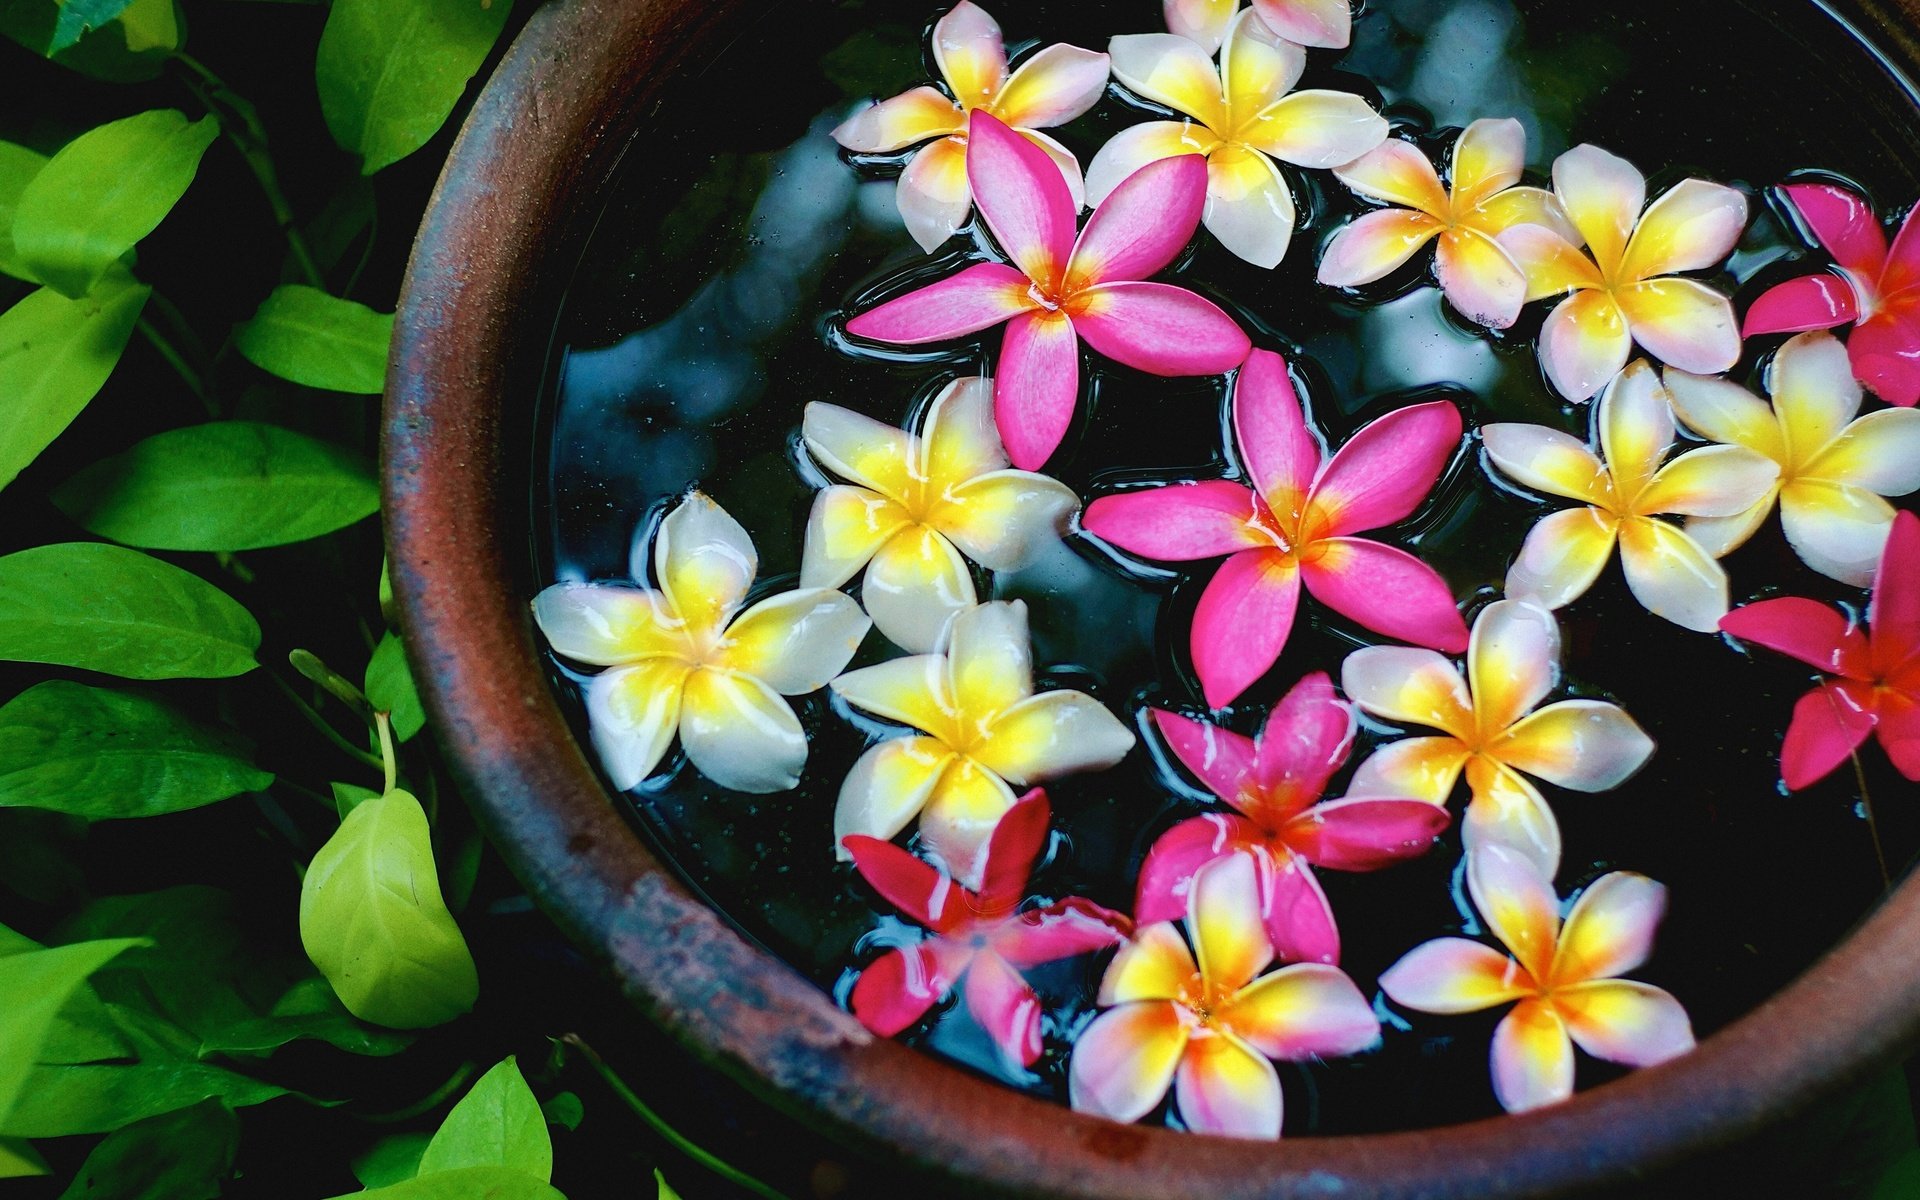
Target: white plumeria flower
{"x": 1626, "y": 489}
{"x": 1241, "y": 116}
{"x": 1050, "y": 88}
{"x": 917, "y": 504}
{"x": 1834, "y": 468}
{"x": 982, "y": 728}
{"x": 679, "y": 659}
{"x": 1320, "y": 23}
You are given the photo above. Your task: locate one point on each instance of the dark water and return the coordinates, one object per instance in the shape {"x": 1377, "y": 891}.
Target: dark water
{"x": 702, "y": 320}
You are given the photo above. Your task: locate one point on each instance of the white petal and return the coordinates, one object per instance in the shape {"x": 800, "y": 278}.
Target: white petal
{"x": 958, "y": 439}
{"x": 796, "y": 641}
{"x": 914, "y": 586}
{"x": 887, "y": 788}
{"x": 1837, "y": 530}
{"x": 1671, "y": 575}
{"x": 739, "y": 733}
{"x": 705, "y": 562}
{"x": 604, "y": 625}
{"x": 1053, "y": 734}
{"x": 1002, "y": 519}
{"x": 1249, "y": 208}
{"x": 632, "y": 713}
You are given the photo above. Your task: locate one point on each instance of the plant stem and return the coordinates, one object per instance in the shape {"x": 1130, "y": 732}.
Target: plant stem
{"x": 428, "y": 1103}
{"x": 1873, "y": 824}
{"x": 389, "y": 762}
{"x": 178, "y": 362}
{"x": 319, "y": 722}
{"x": 658, "y": 1124}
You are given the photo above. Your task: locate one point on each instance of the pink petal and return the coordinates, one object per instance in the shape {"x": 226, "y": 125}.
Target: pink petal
{"x": 1385, "y": 470}
{"x": 910, "y": 884}
{"x": 1005, "y": 1007}
{"x": 1365, "y": 834}
{"x": 1305, "y": 740}
{"x": 1387, "y": 590}
{"x": 1816, "y": 634}
{"x": 1036, "y": 386}
{"x": 1202, "y": 21}
{"x": 1899, "y": 730}
{"x": 898, "y": 988}
{"x": 1453, "y": 975}
{"x": 1016, "y": 844}
{"x": 1325, "y": 23}
{"x": 1843, "y": 224}
{"x": 1809, "y": 302}
{"x": 1124, "y": 1062}
{"x": 1242, "y": 622}
{"x": 1223, "y": 1088}
{"x": 1179, "y": 522}
{"x": 1299, "y": 921}
{"x": 1178, "y": 854}
{"x": 1146, "y": 221}
{"x": 1886, "y": 356}
{"x": 1903, "y": 264}
{"x": 1894, "y": 614}
{"x": 1279, "y": 451}
{"x": 1621, "y": 1021}
{"x": 1021, "y": 194}
{"x": 1073, "y": 926}
{"x": 1159, "y": 328}
{"x": 979, "y": 297}
{"x": 1222, "y": 759}
{"x": 1532, "y": 1058}
{"x": 1829, "y": 724}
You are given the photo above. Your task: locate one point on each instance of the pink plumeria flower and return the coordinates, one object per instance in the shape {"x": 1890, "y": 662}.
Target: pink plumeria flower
{"x": 1834, "y": 466}
{"x": 1059, "y": 290}
{"x": 1295, "y": 525}
{"x": 1491, "y": 726}
{"x": 1629, "y": 290}
{"x": 684, "y": 658}
{"x": 1478, "y": 276}
{"x": 981, "y": 727}
{"x": 1327, "y": 24}
{"x": 1874, "y": 687}
{"x": 1564, "y": 977}
{"x": 981, "y": 940}
{"x": 1050, "y": 88}
{"x": 1273, "y": 786}
{"x": 1626, "y": 490}
{"x": 1874, "y": 290}
{"x": 1206, "y": 1022}
{"x": 1241, "y": 116}
{"x": 917, "y": 504}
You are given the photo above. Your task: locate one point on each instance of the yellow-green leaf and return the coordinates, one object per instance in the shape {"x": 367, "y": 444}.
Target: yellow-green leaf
{"x": 303, "y": 334}
{"x": 54, "y": 355}
{"x": 18, "y": 165}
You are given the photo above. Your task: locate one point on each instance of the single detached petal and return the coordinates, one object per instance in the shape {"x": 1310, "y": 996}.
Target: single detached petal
{"x": 1621, "y": 1021}
{"x": 1386, "y": 469}
{"x": 1001, "y": 519}
{"x": 1532, "y": 1058}
{"x": 1508, "y": 811}
{"x": 1397, "y": 172}
{"x": 1124, "y": 1062}
{"x": 1585, "y": 342}
{"x": 1170, "y": 70}
{"x": 1518, "y": 904}
{"x": 632, "y": 713}
{"x": 1480, "y": 278}
{"x": 1224, "y": 920}
{"x": 916, "y": 582}
{"x": 1005, "y": 1007}
{"x": 1304, "y": 741}
{"x": 1634, "y": 427}
{"x": 1222, "y": 760}
{"x": 1375, "y": 246}
{"x": 1692, "y": 227}
{"x": 1843, "y": 223}
{"x": 845, "y": 527}
{"x": 1603, "y": 195}
{"x": 1180, "y": 521}
{"x": 1327, "y": 23}
{"x": 1513, "y": 661}
{"x": 1610, "y": 929}
{"x": 1408, "y": 687}
{"x": 1453, "y": 975}
{"x": 1053, "y": 734}
{"x": 1278, "y": 449}
{"x": 968, "y": 49}
{"x": 1548, "y": 461}
{"x": 989, "y": 659}
{"x": 977, "y": 298}
{"x": 704, "y": 561}
{"x": 932, "y": 193}
{"x": 1257, "y": 65}
{"x": 1159, "y": 328}
{"x": 1023, "y": 198}
{"x": 602, "y": 625}
{"x": 1242, "y": 622}
{"x": 1202, "y": 21}
{"x": 1809, "y": 302}
{"x": 796, "y": 641}
{"x": 1817, "y": 634}
{"x": 1155, "y": 965}
{"x": 1071, "y": 927}
{"x": 1879, "y": 452}
{"x": 1837, "y": 530}
{"x": 1142, "y": 225}
{"x": 960, "y": 816}
{"x": 1036, "y": 386}
{"x": 1886, "y": 355}
{"x": 887, "y": 788}
{"x": 898, "y": 988}
{"x": 900, "y": 121}
{"x": 1316, "y": 129}
{"x": 912, "y": 885}
{"x": 1489, "y": 157}
{"x": 1585, "y": 745}
{"x": 1362, "y": 833}
{"x": 738, "y": 732}
{"x": 1671, "y": 575}
{"x": 1249, "y": 207}
{"x": 1722, "y": 411}
{"x": 1225, "y": 1089}
{"x": 1055, "y": 85}
{"x": 1177, "y": 855}
{"x": 1713, "y": 481}
{"x": 1554, "y": 265}
{"x": 1425, "y": 768}
{"x": 1562, "y": 556}
{"x": 1829, "y": 723}
{"x": 1298, "y": 919}
{"x": 1387, "y": 590}
{"x": 1138, "y": 145}
{"x": 1684, "y": 323}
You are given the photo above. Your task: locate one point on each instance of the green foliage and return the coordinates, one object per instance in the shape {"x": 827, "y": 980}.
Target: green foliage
{"x": 564, "y": 1110}
{"x": 102, "y": 608}
{"x": 663, "y": 1191}
{"x": 468, "y": 1183}
{"x": 390, "y": 71}
{"x": 55, "y": 353}
{"x": 498, "y": 1123}
{"x": 99, "y": 753}
{"x": 19, "y": 1160}
{"x": 33, "y": 989}
{"x": 302, "y": 334}
{"x": 390, "y": 687}
{"x": 393, "y": 1159}
{"x": 181, "y": 1155}
{"x": 103, "y": 192}
{"x": 222, "y": 486}
{"x": 373, "y": 920}
{"x": 129, "y": 49}
{"x": 18, "y": 165}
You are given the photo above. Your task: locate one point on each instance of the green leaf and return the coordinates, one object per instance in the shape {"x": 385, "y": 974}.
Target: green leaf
{"x": 54, "y": 355}
{"x": 150, "y": 25}
{"x": 349, "y": 796}
{"x": 303, "y": 334}
{"x": 664, "y": 1192}
{"x": 372, "y": 919}
{"x": 78, "y": 17}
{"x": 497, "y": 1124}
{"x": 104, "y": 608}
{"x": 33, "y": 988}
{"x": 18, "y": 165}
{"x": 309, "y": 1010}
{"x": 181, "y": 1155}
{"x": 469, "y": 1183}
{"x": 390, "y": 71}
{"x": 133, "y": 48}
{"x": 60, "y": 1101}
{"x": 565, "y": 1110}
{"x": 98, "y": 753}
{"x": 103, "y": 192}
{"x": 394, "y": 1159}
{"x": 222, "y": 486}
{"x": 390, "y": 687}
{"x": 19, "y": 1160}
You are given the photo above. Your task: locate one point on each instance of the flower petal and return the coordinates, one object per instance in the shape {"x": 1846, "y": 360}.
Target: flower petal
{"x": 1226, "y": 1090}
{"x": 1562, "y": 556}
{"x": 1894, "y": 612}
{"x": 738, "y": 732}
{"x": 1585, "y": 745}
{"x": 989, "y": 659}
{"x": 845, "y": 527}
{"x": 1886, "y": 356}
{"x": 705, "y": 562}
{"x": 1001, "y": 519}
{"x": 1317, "y": 129}
{"x": 1548, "y": 461}
{"x": 1142, "y": 225}
{"x": 1625, "y": 1022}
{"x": 606, "y": 624}
{"x": 1279, "y": 450}
{"x": 916, "y": 582}
{"x": 1425, "y": 768}
{"x": 1843, "y": 223}
{"x": 1721, "y": 536}
{"x": 1408, "y": 687}
{"x": 1053, "y": 734}
{"x": 1387, "y": 590}
{"x": 1071, "y": 927}
{"x": 1489, "y": 157}
{"x": 1304, "y": 741}
{"x": 1180, "y": 521}
{"x": 632, "y": 713}
{"x": 1022, "y": 197}
{"x": 1224, "y": 920}
{"x": 1899, "y": 731}
{"x": 1684, "y": 323}
{"x": 898, "y": 988}
{"x": 1603, "y": 195}
{"x": 1517, "y": 902}
{"x": 1221, "y": 759}
{"x": 1453, "y": 975}
{"x": 1396, "y": 172}
{"x": 1634, "y": 423}
{"x": 1249, "y": 207}
{"x": 1138, "y": 145}
{"x": 796, "y": 641}
{"x": 1809, "y": 302}
{"x": 1170, "y": 70}
{"x": 1374, "y": 246}
{"x": 1257, "y": 65}
{"x": 1154, "y": 965}
{"x": 960, "y": 817}
{"x": 1159, "y": 328}
{"x": 1693, "y": 226}
{"x": 1508, "y": 811}
{"x": 1839, "y": 531}
{"x": 1124, "y": 1062}
{"x": 1713, "y": 481}
{"x": 1202, "y": 21}
{"x": 1584, "y": 342}
{"x": 932, "y": 193}
{"x": 1671, "y": 575}
{"x": 1385, "y": 470}
{"x": 912, "y": 691}
{"x": 1816, "y": 634}
{"x": 1480, "y": 278}
{"x": 912, "y": 885}
{"x": 899, "y": 121}
{"x": 1829, "y": 723}
{"x": 1879, "y": 452}
{"x": 887, "y": 788}
{"x": 1532, "y": 1058}
{"x": 1063, "y": 159}
{"x": 1057, "y": 84}
{"x": 1552, "y": 263}
{"x": 1513, "y": 661}
{"x": 1610, "y": 929}
{"x": 1298, "y": 920}
{"x": 1518, "y": 206}
{"x": 1005, "y": 1007}
{"x": 1364, "y": 833}
{"x": 1722, "y": 411}
{"x": 957, "y": 439}
{"x": 968, "y": 49}
{"x": 1242, "y": 622}
{"x": 977, "y": 298}
{"x": 1017, "y": 843}
{"x": 1160, "y": 893}
{"x": 1036, "y": 386}
{"x": 1326, "y": 23}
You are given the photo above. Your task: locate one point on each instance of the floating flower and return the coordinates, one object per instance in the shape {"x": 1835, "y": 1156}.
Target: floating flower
{"x": 1241, "y": 117}
{"x": 1323, "y": 23}
{"x": 1628, "y": 291}
{"x": 981, "y": 940}
{"x": 1273, "y": 784}
{"x": 1058, "y": 290}
{"x": 1875, "y": 291}
{"x": 1205, "y": 1022}
{"x": 1564, "y": 977}
{"x": 1050, "y": 88}
{"x": 1295, "y": 525}
{"x": 982, "y": 727}
{"x": 1834, "y": 469}
{"x": 917, "y": 504}
{"x": 1875, "y": 687}
{"x": 681, "y": 660}
{"x": 1493, "y": 729}
{"x": 1478, "y": 276}
{"x": 1626, "y": 490}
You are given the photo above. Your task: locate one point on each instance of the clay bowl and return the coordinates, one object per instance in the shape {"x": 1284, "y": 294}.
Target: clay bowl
{"x": 520, "y": 190}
